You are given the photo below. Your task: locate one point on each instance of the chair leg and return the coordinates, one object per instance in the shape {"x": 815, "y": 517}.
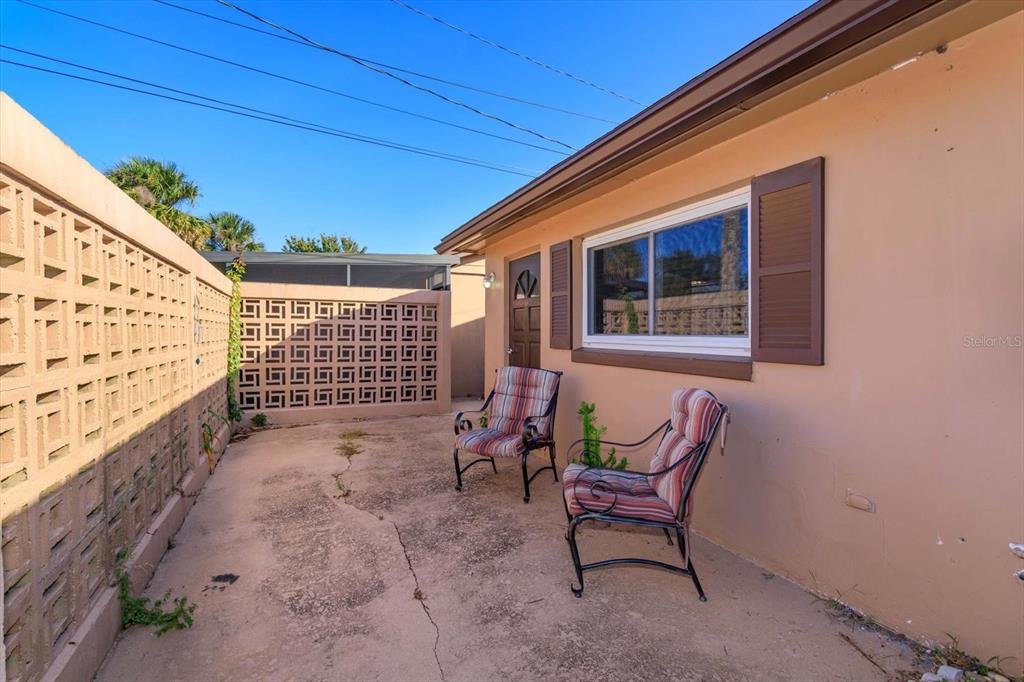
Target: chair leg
{"x": 578, "y": 591}
{"x": 526, "y": 481}
{"x": 669, "y": 536}
{"x": 689, "y": 566}
{"x": 458, "y": 471}
{"x": 494, "y": 466}
{"x": 554, "y": 469}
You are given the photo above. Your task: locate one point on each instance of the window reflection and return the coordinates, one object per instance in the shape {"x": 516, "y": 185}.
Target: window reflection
{"x": 701, "y": 277}
{"x": 619, "y": 282}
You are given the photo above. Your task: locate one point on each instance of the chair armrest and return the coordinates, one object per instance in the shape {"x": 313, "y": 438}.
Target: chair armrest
{"x": 462, "y": 423}
{"x": 600, "y": 488}
{"x": 531, "y": 434}
{"x": 646, "y": 439}
{"x": 596, "y": 478}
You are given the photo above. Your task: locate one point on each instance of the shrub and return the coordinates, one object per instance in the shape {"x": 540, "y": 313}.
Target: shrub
{"x": 259, "y": 420}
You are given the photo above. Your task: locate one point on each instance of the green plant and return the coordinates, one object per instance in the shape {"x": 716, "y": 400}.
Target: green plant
{"x": 951, "y": 654}
{"x": 232, "y": 232}
{"x": 347, "y": 449}
{"x": 484, "y": 420}
{"x": 632, "y": 318}
{"x": 591, "y": 454}
{"x": 234, "y": 272}
{"x": 259, "y": 420}
{"x": 161, "y": 188}
{"x": 326, "y": 243}
{"x": 139, "y": 611}
{"x": 209, "y": 435}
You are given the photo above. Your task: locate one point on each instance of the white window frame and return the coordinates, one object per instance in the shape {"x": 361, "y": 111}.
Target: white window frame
{"x": 703, "y": 345}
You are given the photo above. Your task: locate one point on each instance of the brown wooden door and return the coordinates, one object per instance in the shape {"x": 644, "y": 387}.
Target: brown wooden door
{"x": 524, "y": 312}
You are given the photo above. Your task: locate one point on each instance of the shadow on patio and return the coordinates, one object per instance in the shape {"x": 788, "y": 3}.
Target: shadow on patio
{"x": 373, "y": 567}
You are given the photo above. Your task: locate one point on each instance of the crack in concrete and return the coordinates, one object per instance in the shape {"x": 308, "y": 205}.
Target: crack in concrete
{"x": 422, "y": 600}
{"x": 408, "y": 560}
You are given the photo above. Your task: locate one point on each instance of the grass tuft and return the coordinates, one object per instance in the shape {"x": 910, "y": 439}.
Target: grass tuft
{"x": 346, "y": 447}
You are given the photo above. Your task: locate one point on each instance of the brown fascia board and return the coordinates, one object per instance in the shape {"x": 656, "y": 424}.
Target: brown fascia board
{"x": 778, "y": 58}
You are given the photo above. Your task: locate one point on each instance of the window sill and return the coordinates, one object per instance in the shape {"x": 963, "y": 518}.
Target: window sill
{"x": 721, "y": 366}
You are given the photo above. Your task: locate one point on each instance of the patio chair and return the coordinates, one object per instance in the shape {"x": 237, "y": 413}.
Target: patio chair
{"x": 522, "y": 415}
{"x": 660, "y": 498}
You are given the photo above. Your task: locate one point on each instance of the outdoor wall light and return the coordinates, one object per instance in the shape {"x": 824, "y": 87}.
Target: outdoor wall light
{"x": 489, "y": 280}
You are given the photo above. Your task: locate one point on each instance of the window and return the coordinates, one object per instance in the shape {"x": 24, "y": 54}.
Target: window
{"x": 676, "y": 283}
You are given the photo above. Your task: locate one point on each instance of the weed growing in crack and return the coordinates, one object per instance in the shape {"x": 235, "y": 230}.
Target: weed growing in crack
{"x": 345, "y": 491}
{"x": 138, "y": 611}
{"x": 941, "y": 654}
{"x": 418, "y": 594}
{"x": 831, "y": 603}
{"x": 346, "y": 447}
{"x": 951, "y": 654}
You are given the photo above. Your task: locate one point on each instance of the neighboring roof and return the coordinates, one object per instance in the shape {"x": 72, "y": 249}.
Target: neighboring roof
{"x": 282, "y": 258}
{"x": 785, "y": 57}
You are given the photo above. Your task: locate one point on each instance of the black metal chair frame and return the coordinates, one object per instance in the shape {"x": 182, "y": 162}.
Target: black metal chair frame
{"x": 606, "y": 514}
{"x": 532, "y": 440}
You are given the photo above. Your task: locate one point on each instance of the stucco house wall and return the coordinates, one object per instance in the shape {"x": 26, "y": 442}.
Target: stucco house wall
{"x": 919, "y": 402}
{"x": 467, "y": 287}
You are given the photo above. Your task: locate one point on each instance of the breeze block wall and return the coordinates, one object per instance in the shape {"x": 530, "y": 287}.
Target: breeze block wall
{"x": 319, "y": 352}
{"x": 113, "y": 352}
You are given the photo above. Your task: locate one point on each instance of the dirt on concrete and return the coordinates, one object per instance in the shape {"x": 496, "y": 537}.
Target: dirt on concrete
{"x": 309, "y": 565}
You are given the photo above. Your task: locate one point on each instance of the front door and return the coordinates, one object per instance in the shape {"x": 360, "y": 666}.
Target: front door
{"x": 524, "y": 312}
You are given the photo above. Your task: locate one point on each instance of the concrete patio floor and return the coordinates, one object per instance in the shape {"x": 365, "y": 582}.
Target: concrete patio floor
{"x": 328, "y": 582}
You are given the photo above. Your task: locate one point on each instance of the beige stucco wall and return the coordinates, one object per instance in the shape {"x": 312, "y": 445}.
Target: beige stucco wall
{"x": 113, "y": 353}
{"x": 467, "y": 287}
{"x": 923, "y": 248}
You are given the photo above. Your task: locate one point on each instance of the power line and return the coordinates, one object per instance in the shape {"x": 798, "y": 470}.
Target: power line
{"x": 510, "y": 51}
{"x": 324, "y": 130}
{"x": 170, "y": 89}
{"x": 289, "y": 79}
{"x": 392, "y": 67}
{"x": 389, "y": 74}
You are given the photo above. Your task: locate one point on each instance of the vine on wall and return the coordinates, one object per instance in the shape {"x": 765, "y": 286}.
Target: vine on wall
{"x": 234, "y": 272}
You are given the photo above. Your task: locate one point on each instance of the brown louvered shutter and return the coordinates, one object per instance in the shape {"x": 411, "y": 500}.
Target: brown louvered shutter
{"x": 786, "y": 278}
{"x": 561, "y": 295}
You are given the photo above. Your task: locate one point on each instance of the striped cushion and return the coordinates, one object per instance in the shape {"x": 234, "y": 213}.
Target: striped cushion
{"x": 694, "y": 411}
{"x": 633, "y": 496}
{"x": 519, "y": 393}
{"x": 491, "y": 443}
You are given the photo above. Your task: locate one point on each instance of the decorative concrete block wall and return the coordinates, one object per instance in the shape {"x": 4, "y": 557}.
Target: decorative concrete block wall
{"x": 113, "y": 352}
{"x": 312, "y": 352}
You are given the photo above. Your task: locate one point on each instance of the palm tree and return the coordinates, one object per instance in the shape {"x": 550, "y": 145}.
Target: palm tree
{"x": 162, "y": 189}
{"x": 231, "y": 232}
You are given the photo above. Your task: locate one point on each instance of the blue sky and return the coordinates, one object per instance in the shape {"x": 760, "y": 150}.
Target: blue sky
{"x": 291, "y": 181}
